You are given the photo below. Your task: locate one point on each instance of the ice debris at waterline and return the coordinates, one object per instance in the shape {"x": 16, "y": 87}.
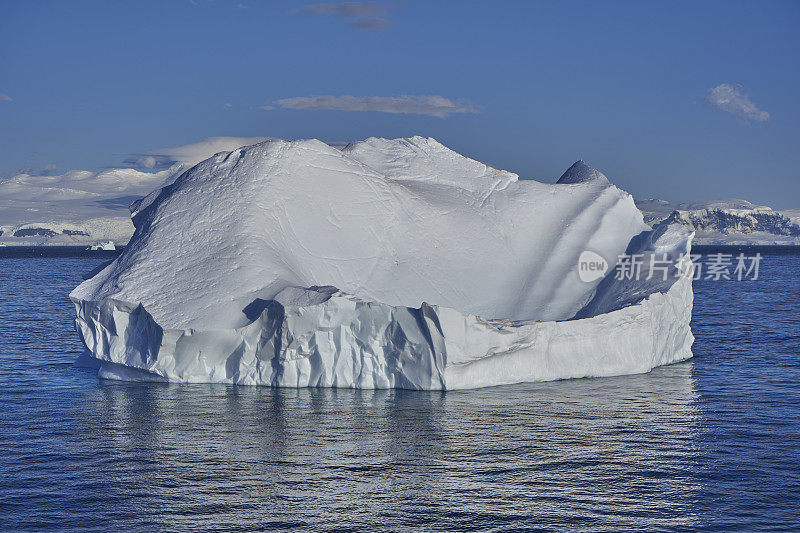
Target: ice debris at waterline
{"x": 387, "y": 263}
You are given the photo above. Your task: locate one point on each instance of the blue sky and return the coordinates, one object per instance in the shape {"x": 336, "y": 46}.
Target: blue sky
{"x": 535, "y": 85}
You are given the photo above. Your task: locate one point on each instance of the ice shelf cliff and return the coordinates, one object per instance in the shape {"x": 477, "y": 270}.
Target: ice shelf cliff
{"x": 386, "y": 263}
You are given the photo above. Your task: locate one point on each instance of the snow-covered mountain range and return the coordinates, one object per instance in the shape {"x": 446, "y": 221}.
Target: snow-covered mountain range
{"x": 80, "y": 207}
{"x": 727, "y": 221}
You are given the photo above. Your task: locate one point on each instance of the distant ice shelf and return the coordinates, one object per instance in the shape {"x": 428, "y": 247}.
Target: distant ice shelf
{"x": 384, "y": 264}
{"x": 727, "y": 222}
{"x": 77, "y": 232}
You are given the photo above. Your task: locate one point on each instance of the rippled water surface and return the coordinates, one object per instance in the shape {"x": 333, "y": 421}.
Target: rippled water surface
{"x": 713, "y": 443}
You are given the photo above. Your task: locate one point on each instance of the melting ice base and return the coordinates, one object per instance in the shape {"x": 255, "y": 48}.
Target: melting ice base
{"x": 389, "y": 263}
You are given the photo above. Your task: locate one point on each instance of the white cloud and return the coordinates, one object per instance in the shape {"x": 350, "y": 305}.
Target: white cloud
{"x": 726, "y": 97}
{"x": 190, "y": 154}
{"x": 435, "y": 106}
{"x": 40, "y": 187}
{"x": 147, "y": 161}
{"x": 5, "y": 98}
{"x": 79, "y": 194}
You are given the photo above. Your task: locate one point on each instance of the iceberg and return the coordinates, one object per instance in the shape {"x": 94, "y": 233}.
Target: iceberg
{"x": 384, "y": 264}
{"x": 103, "y": 246}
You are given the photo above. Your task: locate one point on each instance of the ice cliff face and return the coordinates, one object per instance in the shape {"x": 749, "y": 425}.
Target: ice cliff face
{"x": 388, "y": 263}
{"x": 726, "y": 222}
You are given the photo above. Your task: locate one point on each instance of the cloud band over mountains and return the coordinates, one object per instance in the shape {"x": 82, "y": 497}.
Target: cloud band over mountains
{"x": 431, "y": 105}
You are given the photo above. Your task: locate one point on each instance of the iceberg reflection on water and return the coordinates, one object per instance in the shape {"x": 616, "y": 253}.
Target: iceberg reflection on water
{"x": 542, "y": 455}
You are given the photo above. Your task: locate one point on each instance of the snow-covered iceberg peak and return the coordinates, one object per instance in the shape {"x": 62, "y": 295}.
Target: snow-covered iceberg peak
{"x": 427, "y": 160}
{"x": 580, "y": 172}
{"x": 388, "y": 263}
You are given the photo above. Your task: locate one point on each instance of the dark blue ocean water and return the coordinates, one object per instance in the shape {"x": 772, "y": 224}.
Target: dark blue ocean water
{"x": 709, "y": 444}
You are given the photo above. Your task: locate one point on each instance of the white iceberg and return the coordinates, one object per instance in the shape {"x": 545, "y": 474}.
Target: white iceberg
{"x": 103, "y": 246}
{"x": 388, "y": 263}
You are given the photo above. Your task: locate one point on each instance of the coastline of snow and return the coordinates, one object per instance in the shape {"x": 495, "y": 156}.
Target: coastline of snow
{"x": 728, "y": 222}
{"x": 68, "y": 232}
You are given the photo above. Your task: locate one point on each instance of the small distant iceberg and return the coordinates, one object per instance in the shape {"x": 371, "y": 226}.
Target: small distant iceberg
{"x": 108, "y": 246}
{"x": 384, "y": 264}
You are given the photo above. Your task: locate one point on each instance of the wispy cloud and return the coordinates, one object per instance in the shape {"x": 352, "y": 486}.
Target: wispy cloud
{"x": 190, "y": 154}
{"x": 728, "y": 98}
{"x": 362, "y": 15}
{"x": 435, "y": 106}
{"x": 5, "y": 98}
